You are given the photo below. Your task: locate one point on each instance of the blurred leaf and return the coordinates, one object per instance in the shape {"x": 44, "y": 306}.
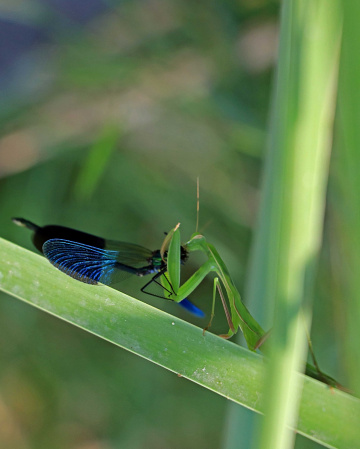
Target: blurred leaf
{"x": 346, "y": 166}
{"x": 293, "y": 201}
{"x": 96, "y": 162}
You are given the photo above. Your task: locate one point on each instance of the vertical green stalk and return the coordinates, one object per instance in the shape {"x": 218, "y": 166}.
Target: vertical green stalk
{"x": 346, "y": 167}
{"x": 291, "y": 215}
{"x": 289, "y": 231}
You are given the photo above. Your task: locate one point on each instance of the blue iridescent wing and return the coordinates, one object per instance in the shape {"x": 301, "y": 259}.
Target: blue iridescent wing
{"x": 82, "y": 262}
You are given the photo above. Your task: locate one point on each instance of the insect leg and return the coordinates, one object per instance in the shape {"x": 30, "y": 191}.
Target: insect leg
{"x": 155, "y": 279}
{"x": 217, "y": 287}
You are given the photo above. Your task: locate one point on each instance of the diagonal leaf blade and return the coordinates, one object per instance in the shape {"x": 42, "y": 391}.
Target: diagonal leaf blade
{"x": 328, "y": 416}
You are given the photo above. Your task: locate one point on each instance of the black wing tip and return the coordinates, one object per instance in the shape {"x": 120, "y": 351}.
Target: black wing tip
{"x": 25, "y": 223}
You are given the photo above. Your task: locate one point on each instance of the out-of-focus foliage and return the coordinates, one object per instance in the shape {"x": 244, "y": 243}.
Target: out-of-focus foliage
{"x": 109, "y": 112}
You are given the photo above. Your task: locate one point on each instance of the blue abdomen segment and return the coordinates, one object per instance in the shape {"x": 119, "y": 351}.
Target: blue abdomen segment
{"x": 190, "y": 307}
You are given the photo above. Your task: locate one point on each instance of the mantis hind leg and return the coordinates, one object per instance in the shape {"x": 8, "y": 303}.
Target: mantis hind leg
{"x": 217, "y": 288}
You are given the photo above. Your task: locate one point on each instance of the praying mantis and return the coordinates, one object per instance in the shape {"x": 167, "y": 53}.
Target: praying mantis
{"x": 238, "y": 315}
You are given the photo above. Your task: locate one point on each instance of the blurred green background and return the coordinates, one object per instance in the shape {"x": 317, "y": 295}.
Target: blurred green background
{"x": 109, "y": 112}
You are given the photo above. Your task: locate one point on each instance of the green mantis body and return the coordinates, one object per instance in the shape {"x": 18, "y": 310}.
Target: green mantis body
{"x": 238, "y": 316}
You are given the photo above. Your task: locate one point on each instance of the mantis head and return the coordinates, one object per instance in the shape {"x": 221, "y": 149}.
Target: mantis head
{"x": 196, "y": 243}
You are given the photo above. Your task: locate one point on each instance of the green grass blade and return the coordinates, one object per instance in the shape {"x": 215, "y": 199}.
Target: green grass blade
{"x": 293, "y": 203}
{"x": 346, "y": 170}
{"x": 217, "y": 364}
{"x": 94, "y": 166}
